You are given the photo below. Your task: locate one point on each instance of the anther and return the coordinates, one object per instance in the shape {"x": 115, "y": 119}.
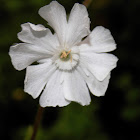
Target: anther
{"x": 65, "y": 54}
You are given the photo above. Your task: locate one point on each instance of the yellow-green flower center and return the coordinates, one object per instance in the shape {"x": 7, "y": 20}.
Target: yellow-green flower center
{"x": 65, "y": 56}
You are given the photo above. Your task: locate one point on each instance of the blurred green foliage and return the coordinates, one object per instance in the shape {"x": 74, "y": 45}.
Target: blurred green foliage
{"x": 113, "y": 117}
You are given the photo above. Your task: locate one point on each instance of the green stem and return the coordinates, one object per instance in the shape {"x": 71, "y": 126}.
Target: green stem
{"x": 37, "y": 122}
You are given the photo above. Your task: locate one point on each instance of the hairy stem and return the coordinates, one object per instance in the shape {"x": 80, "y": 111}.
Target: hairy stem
{"x": 37, "y": 122}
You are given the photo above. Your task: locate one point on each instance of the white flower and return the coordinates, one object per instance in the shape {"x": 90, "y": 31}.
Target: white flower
{"x": 67, "y": 66}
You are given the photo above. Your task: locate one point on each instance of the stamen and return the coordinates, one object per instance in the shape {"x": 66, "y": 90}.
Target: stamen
{"x": 65, "y": 54}
{"x": 68, "y": 52}
{"x": 67, "y": 59}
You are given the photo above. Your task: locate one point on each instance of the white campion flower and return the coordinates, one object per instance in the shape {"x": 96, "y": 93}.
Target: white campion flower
{"x": 67, "y": 65}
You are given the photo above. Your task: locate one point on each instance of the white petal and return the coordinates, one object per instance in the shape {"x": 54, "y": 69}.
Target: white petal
{"x": 23, "y": 54}
{"x": 75, "y": 88}
{"x": 53, "y": 94}
{"x": 98, "y": 88}
{"x": 38, "y": 27}
{"x": 101, "y": 40}
{"x": 38, "y": 35}
{"x": 99, "y": 64}
{"x": 55, "y": 14}
{"x": 78, "y": 24}
{"x": 37, "y": 77}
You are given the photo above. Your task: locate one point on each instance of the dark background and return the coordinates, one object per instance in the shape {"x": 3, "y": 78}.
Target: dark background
{"x": 116, "y": 116}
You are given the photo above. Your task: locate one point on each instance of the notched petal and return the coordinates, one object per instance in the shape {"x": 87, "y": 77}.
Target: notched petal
{"x": 78, "y": 25}
{"x": 31, "y": 33}
{"x": 55, "y": 15}
{"x": 36, "y": 78}
{"x": 100, "y": 40}
{"x": 99, "y": 64}
{"x": 53, "y": 95}
{"x": 75, "y": 88}
{"x": 24, "y": 54}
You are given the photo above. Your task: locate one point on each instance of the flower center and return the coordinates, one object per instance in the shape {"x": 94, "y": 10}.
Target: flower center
{"x": 65, "y": 56}
{"x": 66, "y": 59}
